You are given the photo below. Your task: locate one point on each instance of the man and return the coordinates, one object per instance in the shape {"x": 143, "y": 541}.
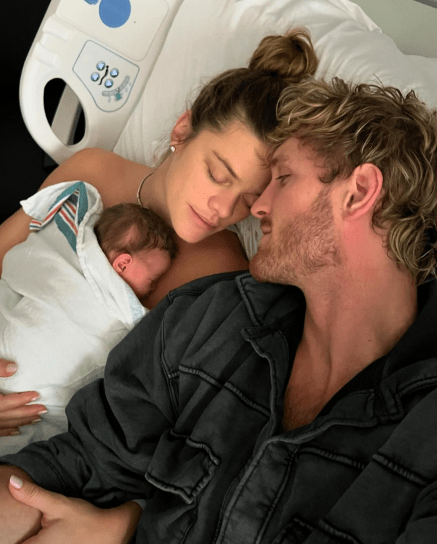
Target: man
{"x": 277, "y": 414}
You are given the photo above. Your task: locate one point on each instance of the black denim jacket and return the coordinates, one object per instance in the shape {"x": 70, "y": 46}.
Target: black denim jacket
{"x": 188, "y": 418}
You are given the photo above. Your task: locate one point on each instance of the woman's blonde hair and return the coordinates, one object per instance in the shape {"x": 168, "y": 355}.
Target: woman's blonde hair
{"x": 348, "y": 125}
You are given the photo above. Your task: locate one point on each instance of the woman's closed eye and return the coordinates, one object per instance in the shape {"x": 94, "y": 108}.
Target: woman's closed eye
{"x": 214, "y": 178}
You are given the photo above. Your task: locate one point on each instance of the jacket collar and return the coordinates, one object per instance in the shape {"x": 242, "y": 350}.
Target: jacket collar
{"x": 268, "y": 302}
{"x": 409, "y": 366}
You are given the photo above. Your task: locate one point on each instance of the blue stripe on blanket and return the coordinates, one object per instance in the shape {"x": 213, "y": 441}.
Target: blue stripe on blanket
{"x": 69, "y": 209}
{"x": 70, "y": 215}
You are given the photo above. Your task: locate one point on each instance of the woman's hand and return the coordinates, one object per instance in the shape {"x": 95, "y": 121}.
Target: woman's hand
{"x": 75, "y": 521}
{"x": 15, "y": 409}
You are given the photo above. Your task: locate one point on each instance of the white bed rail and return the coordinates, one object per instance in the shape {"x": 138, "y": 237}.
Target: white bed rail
{"x": 104, "y": 50}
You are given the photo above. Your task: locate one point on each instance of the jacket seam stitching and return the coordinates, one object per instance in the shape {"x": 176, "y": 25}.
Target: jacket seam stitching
{"x": 400, "y": 470}
{"x": 168, "y": 375}
{"x": 417, "y": 383}
{"x": 331, "y": 530}
{"x": 276, "y": 501}
{"x": 228, "y": 386}
{"x": 198, "y": 445}
{"x": 332, "y": 456}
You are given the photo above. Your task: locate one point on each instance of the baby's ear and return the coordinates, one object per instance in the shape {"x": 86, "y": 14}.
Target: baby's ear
{"x": 121, "y": 263}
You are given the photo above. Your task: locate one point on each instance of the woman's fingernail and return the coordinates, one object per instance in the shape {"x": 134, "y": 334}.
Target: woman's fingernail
{"x": 14, "y": 433}
{"x": 36, "y": 397}
{"x": 11, "y": 368}
{"x": 16, "y": 482}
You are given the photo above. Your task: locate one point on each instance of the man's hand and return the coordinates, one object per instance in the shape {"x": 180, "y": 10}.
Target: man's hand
{"x": 15, "y": 409}
{"x": 74, "y": 521}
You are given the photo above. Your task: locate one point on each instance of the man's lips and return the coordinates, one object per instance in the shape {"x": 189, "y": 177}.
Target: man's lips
{"x": 266, "y": 228}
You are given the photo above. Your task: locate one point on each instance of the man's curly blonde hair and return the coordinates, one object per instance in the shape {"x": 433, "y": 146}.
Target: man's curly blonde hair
{"x": 348, "y": 125}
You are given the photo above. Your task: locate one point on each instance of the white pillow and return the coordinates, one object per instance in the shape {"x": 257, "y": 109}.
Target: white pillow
{"x": 210, "y": 36}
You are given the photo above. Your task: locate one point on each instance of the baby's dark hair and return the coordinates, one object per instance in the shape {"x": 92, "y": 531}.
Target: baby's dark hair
{"x": 130, "y": 228}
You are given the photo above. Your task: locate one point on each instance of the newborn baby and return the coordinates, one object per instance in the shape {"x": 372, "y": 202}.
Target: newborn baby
{"x": 71, "y": 292}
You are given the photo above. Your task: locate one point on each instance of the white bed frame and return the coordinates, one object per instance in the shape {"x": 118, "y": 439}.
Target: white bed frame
{"x": 72, "y": 39}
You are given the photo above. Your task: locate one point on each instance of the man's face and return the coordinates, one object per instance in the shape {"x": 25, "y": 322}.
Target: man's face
{"x": 296, "y": 218}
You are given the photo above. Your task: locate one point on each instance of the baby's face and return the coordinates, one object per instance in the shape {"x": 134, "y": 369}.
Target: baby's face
{"x": 147, "y": 267}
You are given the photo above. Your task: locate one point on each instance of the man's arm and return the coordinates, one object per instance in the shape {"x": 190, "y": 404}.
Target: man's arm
{"x": 114, "y": 426}
{"x": 93, "y": 461}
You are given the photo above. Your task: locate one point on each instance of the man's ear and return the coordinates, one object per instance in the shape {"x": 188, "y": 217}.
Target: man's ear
{"x": 182, "y": 129}
{"x": 363, "y": 190}
{"x": 121, "y": 263}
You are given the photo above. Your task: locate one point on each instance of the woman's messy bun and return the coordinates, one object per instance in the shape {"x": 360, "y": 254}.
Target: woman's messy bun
{"x": 290, "y": 57}
{"x": 250, "y": 94}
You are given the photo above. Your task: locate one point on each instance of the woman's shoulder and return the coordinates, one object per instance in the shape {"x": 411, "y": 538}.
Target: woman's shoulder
{"x": 115, "y": 177}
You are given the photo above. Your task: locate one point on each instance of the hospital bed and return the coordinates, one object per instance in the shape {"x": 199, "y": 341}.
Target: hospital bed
{"x": 130, "y": 67}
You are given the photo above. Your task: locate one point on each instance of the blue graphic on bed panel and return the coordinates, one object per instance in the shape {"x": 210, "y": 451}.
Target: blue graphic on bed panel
{"x": 113, "y": 13}
{"x": 68, "y": 210}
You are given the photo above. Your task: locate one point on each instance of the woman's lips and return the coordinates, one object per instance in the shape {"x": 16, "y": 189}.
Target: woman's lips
{"x": 203, "y": 221}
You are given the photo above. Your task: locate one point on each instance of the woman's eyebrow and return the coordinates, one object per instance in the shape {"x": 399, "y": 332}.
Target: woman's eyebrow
{"x": 227, "y": 165}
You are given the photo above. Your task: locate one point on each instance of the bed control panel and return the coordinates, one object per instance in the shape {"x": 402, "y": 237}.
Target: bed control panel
{"x": 104, "y": 51}
{"x": 108, "y": 77}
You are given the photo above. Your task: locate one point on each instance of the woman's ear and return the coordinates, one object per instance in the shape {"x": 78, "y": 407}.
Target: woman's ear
{"x": 121, "y": 263}
{"x": 363, "y": 190}
{"x": 182, "y": 129}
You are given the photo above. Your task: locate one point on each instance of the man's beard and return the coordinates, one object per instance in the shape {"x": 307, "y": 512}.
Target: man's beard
{"x": 305, "y": 245}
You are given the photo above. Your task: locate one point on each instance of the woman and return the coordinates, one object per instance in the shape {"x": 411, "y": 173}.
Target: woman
{"x": 216, "y": 168}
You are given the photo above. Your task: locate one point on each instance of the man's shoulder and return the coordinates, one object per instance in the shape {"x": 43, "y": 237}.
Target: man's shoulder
{"x": 218, "y": 296}
{"x": 199, "y": 286}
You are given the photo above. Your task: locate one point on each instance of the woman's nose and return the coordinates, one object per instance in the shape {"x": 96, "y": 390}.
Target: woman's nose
{"x": 223, "y": 205}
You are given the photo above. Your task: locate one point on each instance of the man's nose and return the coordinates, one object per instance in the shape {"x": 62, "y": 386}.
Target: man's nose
{"x": 262, "y": 206}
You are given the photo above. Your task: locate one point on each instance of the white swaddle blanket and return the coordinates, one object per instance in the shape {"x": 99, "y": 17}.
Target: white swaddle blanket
{"x": 62, "y": 305}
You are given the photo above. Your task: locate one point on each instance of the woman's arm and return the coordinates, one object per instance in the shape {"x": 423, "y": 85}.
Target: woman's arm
{"x": 30, "y": 510}
{"x": 17, "y": 520}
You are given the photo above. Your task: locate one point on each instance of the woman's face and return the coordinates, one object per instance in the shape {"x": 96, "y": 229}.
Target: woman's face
{"x": 213, "y": 180}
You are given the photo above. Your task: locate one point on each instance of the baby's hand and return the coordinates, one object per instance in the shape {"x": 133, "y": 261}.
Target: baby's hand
{"x": 15, "y": 409}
